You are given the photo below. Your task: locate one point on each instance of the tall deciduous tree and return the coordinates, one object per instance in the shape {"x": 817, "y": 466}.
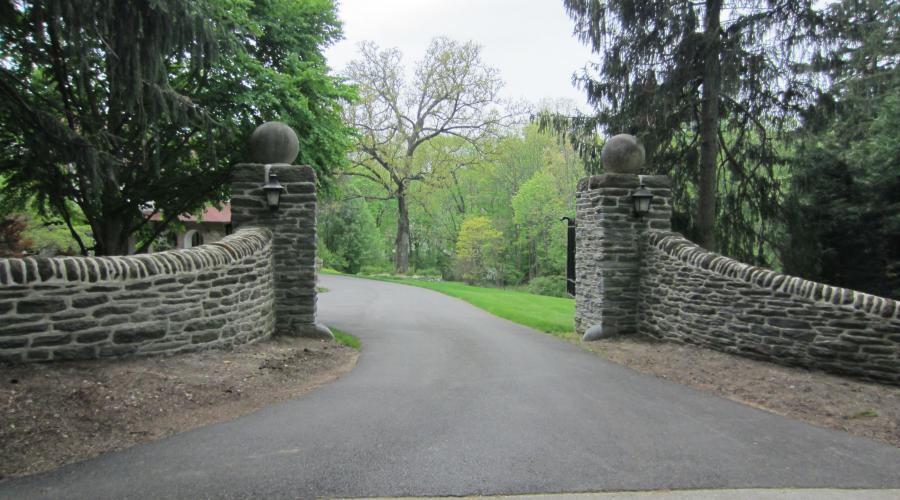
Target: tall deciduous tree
{"x": 705, "y": 85}
{"x": 452, "y": 93}
{"x": 120, "y": 105}
{"x": 538, "y": 206}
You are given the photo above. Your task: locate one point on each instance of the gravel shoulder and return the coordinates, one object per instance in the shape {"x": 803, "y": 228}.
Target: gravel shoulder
{"x": 860, "y": 408}
{"x": 54, "y": 414}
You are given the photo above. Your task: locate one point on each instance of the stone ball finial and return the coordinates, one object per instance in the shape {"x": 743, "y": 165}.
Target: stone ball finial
{"x": 622, "y": 154}
{"x": 274, "y": 142}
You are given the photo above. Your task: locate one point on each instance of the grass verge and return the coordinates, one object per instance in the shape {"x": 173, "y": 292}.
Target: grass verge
{"x": 345, "y": 338}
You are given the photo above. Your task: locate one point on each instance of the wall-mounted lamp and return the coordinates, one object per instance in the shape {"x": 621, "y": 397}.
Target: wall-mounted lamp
{"x": 641, "y": 198}
{"x": 273, "y": 190}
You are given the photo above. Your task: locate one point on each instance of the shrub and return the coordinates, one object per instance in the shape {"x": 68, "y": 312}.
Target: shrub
{"x": 554, "y": 286}
{"x": 427, "y": 273}
{"x": 12, "y": 242}
{"x": 477, "y": 251}
{"x": 377, "y": 269}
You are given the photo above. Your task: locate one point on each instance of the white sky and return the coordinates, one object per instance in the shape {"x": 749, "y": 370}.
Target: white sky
{"x": 529, "y": 41}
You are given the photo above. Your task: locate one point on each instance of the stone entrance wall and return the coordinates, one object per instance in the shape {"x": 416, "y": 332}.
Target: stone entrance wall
{"x": 88, "y": 307}
{"x": 257, "y": 282}
{"x": 690, "y": 295}
{"x": 607, "y": 262}
{"x": 634, "y": 276}
{"x": 294, "y": 228}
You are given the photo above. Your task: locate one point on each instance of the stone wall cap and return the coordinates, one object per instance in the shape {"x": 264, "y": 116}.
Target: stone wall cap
{"x": 255, "y": 172}
{"x": 242, "y": 243}
{"x": 677, "y": 246}
{"x": 657, "y": 181}
{"x": 609, "y": 180}
{"x": 294, "y": 173}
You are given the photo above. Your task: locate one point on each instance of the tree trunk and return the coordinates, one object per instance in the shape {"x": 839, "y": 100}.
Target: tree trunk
{"x": 709, "y": 127}
{"x": 109, "y": 236}
{"x": 401, "y": 245}
{"x": 532, "y": 260}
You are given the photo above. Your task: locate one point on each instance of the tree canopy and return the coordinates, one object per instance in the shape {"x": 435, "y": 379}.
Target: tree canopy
{"x": 126, "y": 107}
{"x": 491, "y": 218}
{"x": 453, "y": 93}
{"x": 478, "y": 250}
{"x": 708, "y": 88}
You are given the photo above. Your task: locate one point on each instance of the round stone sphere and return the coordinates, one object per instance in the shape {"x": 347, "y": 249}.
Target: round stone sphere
{"x": 622, "y": 154}
{"x": 274, "y": 142}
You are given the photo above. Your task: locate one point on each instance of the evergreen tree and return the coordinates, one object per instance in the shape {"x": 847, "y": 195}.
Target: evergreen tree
{"x": 348, "y": 231}
{"x": 706, "y": 86}
{"x": 844, "y": 206}
{"x": 130, "y": 105}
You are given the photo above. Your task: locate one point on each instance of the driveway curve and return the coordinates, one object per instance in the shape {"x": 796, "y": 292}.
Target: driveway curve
{"x": 450, "y": 400}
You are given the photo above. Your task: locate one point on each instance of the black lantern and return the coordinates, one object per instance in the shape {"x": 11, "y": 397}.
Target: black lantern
{"x": 273, "y": 190}
{"x": 641, "y": 198}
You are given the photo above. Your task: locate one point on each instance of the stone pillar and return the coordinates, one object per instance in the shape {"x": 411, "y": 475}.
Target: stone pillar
{"x": 274, "y": 146}
{"x": 607, "y": 256}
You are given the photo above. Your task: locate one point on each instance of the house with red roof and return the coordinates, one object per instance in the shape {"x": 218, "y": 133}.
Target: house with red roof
{"x": 212, "y": 225}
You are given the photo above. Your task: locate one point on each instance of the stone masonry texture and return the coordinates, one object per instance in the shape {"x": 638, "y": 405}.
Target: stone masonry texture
{"x": 690, "y": 295}
{"x": 294, "y": 228}
{"x": 606, "y": 252}
{"x": 636, "y": 276}
{"x": 214, "y": 295}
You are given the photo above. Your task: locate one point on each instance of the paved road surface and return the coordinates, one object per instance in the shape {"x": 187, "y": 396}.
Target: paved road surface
{"x": 449, "y": 400}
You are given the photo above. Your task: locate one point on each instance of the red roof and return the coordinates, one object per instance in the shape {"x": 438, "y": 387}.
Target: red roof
{"x": 210, "y": 214}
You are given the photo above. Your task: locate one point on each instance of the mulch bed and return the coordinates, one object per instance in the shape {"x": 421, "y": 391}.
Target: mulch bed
{"x": 57, "y": 413}
{"x": 861, "y": 408}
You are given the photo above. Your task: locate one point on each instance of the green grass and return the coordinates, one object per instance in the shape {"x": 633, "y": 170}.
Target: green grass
{"x": 345, "y": 338}
{"x": 864, "y": 414}
{"x": 552, "y": 315}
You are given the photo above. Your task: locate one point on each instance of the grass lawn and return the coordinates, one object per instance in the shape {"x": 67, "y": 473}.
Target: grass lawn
{"x": 552, "y": 315}
{"x": 345, "y": 338}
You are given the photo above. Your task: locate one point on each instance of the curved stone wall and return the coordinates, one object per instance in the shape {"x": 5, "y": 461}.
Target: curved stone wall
{"x": 213, "y": 295}
{"x": 690, "y": 295}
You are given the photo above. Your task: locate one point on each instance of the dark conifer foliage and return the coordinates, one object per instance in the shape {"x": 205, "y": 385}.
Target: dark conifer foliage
{"x": 119, "y": 105}
{"x": 707, "y": 87}
{"x": 843, "y": 212}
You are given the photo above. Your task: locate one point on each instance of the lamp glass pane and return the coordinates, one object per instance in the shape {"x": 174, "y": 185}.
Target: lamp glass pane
{"x": 642, "y": 205}
{"x": 273, "y": 196}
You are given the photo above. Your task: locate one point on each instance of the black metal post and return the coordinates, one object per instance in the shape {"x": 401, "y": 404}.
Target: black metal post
{"x": 570, "y": 256}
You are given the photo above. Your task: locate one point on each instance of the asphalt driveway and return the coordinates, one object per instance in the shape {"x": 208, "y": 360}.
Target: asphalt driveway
{"x": 449, "y": 400}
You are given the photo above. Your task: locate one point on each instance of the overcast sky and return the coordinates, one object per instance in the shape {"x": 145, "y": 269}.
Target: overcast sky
{"x": 529, "y": 41}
